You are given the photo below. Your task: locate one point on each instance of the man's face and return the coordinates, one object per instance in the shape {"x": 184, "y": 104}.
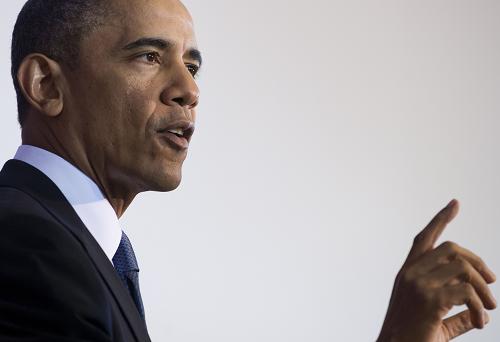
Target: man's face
{"x": 135, "y": 82}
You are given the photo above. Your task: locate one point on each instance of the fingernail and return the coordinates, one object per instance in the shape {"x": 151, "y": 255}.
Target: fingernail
{"x": 450, "y": 204}
{"x": 493, "y": 276}
{"x": 486, "y": 317}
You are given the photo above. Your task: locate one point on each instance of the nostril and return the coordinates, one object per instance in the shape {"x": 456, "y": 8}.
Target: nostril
{"x": 184, "y": 102}
{"x": 180, "y": 101}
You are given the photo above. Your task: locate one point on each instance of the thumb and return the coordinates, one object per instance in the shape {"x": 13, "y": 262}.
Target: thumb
{"x": 461, "y": 323}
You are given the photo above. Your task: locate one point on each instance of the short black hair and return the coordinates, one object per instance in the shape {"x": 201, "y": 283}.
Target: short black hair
{"x": 54, "y": 28}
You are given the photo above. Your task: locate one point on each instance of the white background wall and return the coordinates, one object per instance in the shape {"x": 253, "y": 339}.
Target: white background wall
{"x": 329, "y": 133}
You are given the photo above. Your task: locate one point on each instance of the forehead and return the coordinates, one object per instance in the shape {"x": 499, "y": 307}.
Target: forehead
{"x": 167, "y": 19}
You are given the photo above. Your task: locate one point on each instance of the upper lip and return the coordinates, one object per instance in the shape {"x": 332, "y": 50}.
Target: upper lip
{"x": 186, "y": 126}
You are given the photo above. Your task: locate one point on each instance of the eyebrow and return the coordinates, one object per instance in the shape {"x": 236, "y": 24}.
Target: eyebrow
{"x": 162, "y": 44}
{"x": 196, "y": 55}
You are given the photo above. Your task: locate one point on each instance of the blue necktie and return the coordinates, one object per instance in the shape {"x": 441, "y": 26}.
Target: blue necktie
{"x": 128, "y": 270}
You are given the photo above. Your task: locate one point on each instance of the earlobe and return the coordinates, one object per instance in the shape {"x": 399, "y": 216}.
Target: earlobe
{"x": 40, "y": 79}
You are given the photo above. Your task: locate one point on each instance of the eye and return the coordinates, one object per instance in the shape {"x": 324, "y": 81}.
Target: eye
{"x": 150, "y": 57}
{"x": 193, "y": 69}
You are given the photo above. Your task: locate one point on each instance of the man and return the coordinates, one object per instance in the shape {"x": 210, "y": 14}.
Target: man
{"x": 107, "y": 96}
{"x": 107, "y": 101}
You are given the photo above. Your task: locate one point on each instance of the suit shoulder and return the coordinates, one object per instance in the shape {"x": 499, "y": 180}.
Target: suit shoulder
{"x": 14, "y": 201}
{"x": 23, "y": 217}
{"x": 30, "y": 232}
{"x": 48, "y": 280}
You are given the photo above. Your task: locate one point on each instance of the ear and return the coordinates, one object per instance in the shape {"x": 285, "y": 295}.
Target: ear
{"x": 41, "y": 81}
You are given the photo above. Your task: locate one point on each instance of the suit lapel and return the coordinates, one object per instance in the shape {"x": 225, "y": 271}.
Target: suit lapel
{"x": 24, "y": 177}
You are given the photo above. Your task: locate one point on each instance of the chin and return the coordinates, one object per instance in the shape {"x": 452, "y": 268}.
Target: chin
{"x": 168, "y": 187}
{"x": 165, "y": 182}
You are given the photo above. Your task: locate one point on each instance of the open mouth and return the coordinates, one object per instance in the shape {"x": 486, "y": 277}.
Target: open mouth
{"x": 178, "y": 134}
{"x": 181, "y": 133}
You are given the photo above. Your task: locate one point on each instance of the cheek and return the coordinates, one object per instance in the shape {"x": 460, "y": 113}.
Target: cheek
{"x": 140, "y": 106}
{"x": 122, "y": 93}
{"x": 117, "y": 109}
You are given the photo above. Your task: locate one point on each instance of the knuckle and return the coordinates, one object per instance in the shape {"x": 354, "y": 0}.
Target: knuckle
{"x": 450, "y": 246}
{"x": 462, "y": 264}
{"x": 429, "y": 299}
{"x": 451, "y": 250}
{"x": 442, "y": 301}
{"x": 475, "y": 303}
{"x": 480, "y": 261}
{"x": 464, "y": 320}
{"x": 421, "y": 288}
{"x": 467, "y": 275}
{"x": 469, "y": 291}
{"x": 441, "y": 215}
{"x": 481, "y": 265}
{"x": 418, "y": 238}
{"x": 406, "y": 276}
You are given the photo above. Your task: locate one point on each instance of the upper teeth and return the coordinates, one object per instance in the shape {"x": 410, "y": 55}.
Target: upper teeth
{"x": 176, "y": 131}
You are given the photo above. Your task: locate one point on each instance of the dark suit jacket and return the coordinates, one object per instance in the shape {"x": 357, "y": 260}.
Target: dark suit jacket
{"x": 56, "y": 283}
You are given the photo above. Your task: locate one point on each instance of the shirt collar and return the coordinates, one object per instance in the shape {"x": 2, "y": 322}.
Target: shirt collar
{"x": 82, "y": 193}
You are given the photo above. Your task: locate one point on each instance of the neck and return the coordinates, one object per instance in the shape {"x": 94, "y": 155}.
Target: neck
{"x": 119, "y": 194}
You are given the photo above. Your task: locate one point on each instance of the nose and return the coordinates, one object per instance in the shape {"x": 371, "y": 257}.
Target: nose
{"x": 181, "y": 90}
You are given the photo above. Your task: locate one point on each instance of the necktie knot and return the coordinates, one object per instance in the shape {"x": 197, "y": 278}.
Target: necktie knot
{"x": 124, "y": 258}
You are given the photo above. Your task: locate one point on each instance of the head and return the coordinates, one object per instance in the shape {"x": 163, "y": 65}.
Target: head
{"x": 110, "y": 85}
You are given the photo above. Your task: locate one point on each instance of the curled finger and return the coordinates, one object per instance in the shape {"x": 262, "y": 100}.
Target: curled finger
{"x": 461, "y": 271}
{"x": 461, "y": 294}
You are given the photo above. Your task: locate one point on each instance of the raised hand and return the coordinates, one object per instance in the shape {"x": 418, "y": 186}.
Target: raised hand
{"x": 432, "y": 281}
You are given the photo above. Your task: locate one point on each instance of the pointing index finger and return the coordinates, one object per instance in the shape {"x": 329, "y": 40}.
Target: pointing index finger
{"x": 426, "y": 239}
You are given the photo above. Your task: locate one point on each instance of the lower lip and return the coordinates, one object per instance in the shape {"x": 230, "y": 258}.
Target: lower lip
{"x": 179, "y": 143}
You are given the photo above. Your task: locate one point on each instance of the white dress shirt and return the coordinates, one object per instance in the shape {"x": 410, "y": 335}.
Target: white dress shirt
{"x": 81, "y": 192}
